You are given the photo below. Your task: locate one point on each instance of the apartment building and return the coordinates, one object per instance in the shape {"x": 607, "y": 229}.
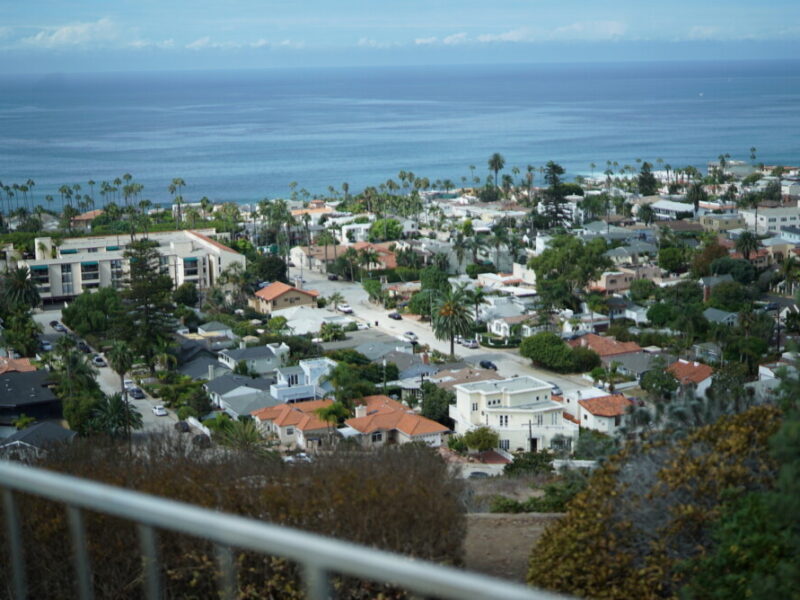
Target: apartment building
{"x": 771, "y": 220}
{"x": 64, "y": 270}
{"x": 520, "y": 409}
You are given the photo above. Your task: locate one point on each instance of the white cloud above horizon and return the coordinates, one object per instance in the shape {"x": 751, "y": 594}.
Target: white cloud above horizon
{"x": 102, "y": 31}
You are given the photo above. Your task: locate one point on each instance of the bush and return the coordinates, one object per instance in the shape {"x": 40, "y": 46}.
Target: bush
{"x": 530, "y": 463}
{"x": 548, "y": 350}
{"x": 557, "y": 495}
{"x": 473, "y": 270}
{"x": 481, "y": 439}
{"x": 422, "y": 518}
{"x": 584, "y": 359}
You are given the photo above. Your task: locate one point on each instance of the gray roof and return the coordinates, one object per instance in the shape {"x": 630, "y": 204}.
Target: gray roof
{"x": 41, "y": 435}
{"x": 638, "y": 363}
{"x": 226, "y": 383}
{"x": 716, "y": 315}
{"x": 285, "y": 371}
{"x": 376, "y": 350}
{"x": 214, "y": 326}
{"x": 244, "y": 405}
{"x": 198, "y": 367}
{"x": 249, "y": 353}
{"x": 22, "y": 389}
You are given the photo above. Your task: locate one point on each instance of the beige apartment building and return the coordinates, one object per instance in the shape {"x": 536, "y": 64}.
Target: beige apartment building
{"x": 63, "y": 271}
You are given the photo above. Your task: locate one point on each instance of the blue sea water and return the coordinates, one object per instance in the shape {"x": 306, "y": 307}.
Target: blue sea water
{"x": 245, "y": 135}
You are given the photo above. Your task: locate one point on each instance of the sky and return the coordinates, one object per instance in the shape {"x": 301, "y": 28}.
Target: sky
{"x": 43, "y": 36}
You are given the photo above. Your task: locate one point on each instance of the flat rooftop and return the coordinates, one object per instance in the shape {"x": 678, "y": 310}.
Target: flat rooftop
{"x": 513, "y": 384}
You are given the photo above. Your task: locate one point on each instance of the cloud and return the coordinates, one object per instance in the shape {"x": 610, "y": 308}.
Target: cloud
{"x": 162, "y": 44}
{"x": 515, "y": 35}
{"x": 589, "y": 31}
{"x": 703, "y": 32}
{"x": 370, "y": 43}
{"x": 426, "y": 41}
{"x": 456, "y": 38}
{"x": 77, "y": 34}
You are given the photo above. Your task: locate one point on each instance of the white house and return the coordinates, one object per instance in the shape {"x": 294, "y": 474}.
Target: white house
{"x": 692, "y": 374}
{"x": 519, "y": 409}
{"x": 770, "y": 220}
{"x": 604, "y": 413}
{"x": 302, "y": 382}
{"x": 259, "y": 359}
{"x": 379, "y": 420}
{"x": 295, "y": 424}
{"x": 669, "y": 210}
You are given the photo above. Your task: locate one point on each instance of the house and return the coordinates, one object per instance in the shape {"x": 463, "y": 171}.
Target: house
{"x": 302, "y": 382}
{"x": 225, "y": 390}
{"x": 606, "y": 347}
{"x": 34, "y": 441}
{"x": 386, "y": 257}
{"x": 83, "y": 222}
{"x": 316, "y": 258}
{"x": 773, "y": 370}
{"x": 692, "y": 374}
{"x": 302, "y": 320}
{"x": 637, "y": 364}
{"x": 770, "y": 220}
{"x": 721, "y": 317}
{"x": 258, "y": 359}
{"x": 496, "y": 307}
{"x": 295, "y": 424}
{"x": 604, "y": 413}
{"x": 215, "y": 329}
{"x": 278, "y": 295}
{"x": 27, "y": 393}
{"x": 707, "y": 352}
{"x": 203, "y": 367}
{"x": 619, "y": 280}
{"x": 447, "y": 379}
{"x": 715, "y": 223}
{"x": 668, "y": 210}
{"x": 15, "y": 365}
{"x": 380, "y": 421}
{"x": 506, "y": 327}
{"x": 710, "y": 282}
{"x": 519, "y": 409}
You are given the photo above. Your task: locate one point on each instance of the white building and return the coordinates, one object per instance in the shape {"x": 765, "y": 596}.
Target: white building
{"x": 604, "y": 413}
{"x": 64, "y": 270}
{"x": 303, "y": 382}
{"x": 770, "y": 220}
{"x": 258, "y": 359}
{"x": 519, "y": 409}
{"x": 669, "y": 210}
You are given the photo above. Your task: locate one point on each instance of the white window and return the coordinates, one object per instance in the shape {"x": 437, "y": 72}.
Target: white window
{"x": 290, "y": 431}
{"x": 377, "y": 436}
{"x": 503, "y": 420}
{"x": 554, "y": 418}
{"x": 474, "y": 407}
{"x": 505, "y": 444}
{"x": 540, "y": 419}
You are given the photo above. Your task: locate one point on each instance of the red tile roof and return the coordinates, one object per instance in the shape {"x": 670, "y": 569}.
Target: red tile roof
{"x": 276, "y": 289}
{"x": 605, "y": 346}
{"x": 16, "y": 365}
{"x": 606, "y": 406}
{"x": 89, "y": 216}
{"x": 301, "y": 415}
{"x": 690, "y": 372}
{"x": 383, "y": 413}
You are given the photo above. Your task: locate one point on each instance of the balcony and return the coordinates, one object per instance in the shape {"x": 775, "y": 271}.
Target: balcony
{"x": 292, "y": 393}
{"x": 320, "y": 557}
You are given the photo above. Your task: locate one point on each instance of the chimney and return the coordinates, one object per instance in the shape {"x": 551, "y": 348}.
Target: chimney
{"x": 242, "y": 345}
{"x": 706, "y": 293}
{"x": 426, "y": 359}
{"x": 361, "y": 411}
{"x": 210, "y": 372}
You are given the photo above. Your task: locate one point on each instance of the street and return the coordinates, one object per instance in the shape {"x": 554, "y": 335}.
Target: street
{"x": 108, "y": 379}
{"x": 509, "y": 362}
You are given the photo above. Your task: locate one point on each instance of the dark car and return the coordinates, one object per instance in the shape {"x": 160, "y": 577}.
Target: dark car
{"x": 58, "y": 326}
{"x": 333, "y": 277}
{"x": 136, "y": 393}
{"x": 83, "y": 346}
{"x": 487, "y": 364}
{"x": 395, "y": 315}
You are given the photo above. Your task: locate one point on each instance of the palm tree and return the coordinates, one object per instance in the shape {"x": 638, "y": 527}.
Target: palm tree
{"x": 116, "y": 417}
{"x": 646, "y": 214}
{"x": 496, "y": 164}
{"x": 244, "y": 436}
{"x": 451, "y": 316}
{"x": 788, "y": 270}
{"x": 18, "y": 288}
{"x": 351, "y": 256}
{"x": 121, "y": 358}
{"x": 476, "y": 296}
{"x": 366, "y": 258}
{"x": 335, "y": 300}
{"x": 747, "y": 243}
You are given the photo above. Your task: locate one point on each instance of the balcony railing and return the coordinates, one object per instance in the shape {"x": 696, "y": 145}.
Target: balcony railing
{"x": 320, "y": 557}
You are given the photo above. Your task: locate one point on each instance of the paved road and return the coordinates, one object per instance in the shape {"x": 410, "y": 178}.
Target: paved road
{"x": 107, "y": 379}
{"x": 509, "y": 362}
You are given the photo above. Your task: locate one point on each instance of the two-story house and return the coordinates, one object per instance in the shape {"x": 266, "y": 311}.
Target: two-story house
{"x": 519, "y": 409}
{"x": 295, "y": 424}
{"x": 258, "y": 359}
{"x": 303, "y": 382}
{"x": 604, "y": 413}
{"x": 379, "y": 420}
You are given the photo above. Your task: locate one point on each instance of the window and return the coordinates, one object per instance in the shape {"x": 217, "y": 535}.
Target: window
{"x": 474, "y": 406}
{"x": 190, "y": 268}
{"x": 505, "y": 444}
{"x": 617, "y": 421}
{"x": 503, "y": 420}
{"x": 90, "y": 271}
{"x": 554, "y": 418}
{"x": 377, "y": 436}
{"x": 292, "y": 379}
{"x": 290, "y": 431}
{"x": 585, "y": 417}
{"x": 540, "y": 419}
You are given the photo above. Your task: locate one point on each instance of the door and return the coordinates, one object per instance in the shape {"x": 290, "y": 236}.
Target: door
{"x": 534, "y": 445}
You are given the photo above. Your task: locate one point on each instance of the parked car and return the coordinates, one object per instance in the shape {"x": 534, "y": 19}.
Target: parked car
{"x": 410, "y": 336}
{"x": 395, "y": 315}
{"x": 344, "y": 308}
{"x": 333, "y": 277}
{"x": 159, "y": 411}
{"x": 128, "y": 384}
{"x": 99, "y": 361}
{"x": 555, "y": 390}
{"x": 478, "y": 475}
{"x": 58, "y": 326}
{"x": 83, "y": 346}
{"x": 470, "y": 344}
{"x": 136, "y": 393}
{"x": 487, "y": 364}
{"x": 45, "y": 346}
{"x": 362, "y": 325}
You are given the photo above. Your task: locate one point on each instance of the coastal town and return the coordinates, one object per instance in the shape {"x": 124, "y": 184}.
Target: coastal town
{"x": 519, "y": 321}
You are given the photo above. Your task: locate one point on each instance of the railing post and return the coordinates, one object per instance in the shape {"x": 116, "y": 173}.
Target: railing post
{"x": 150, "y": 562}
{"x": 82, "y": 568}
{"x": 227, "y": 575}
{"x": 15, "y": 545}
{"x": 317, "y": 582}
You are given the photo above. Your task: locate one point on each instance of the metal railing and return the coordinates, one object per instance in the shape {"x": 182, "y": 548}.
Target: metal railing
{"x": 320, "y": 557}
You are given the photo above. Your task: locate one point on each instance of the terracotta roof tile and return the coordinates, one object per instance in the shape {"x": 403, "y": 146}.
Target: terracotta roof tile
{"x": 16, "y": 365}
{"x": 606, "y": 406}
{"x": 300, "y": 415}
{"x": 690, "y": 372}
{"x": 605, "y": 346}
{"x": 277, "y": 289}
{"x": 383, "y": 413}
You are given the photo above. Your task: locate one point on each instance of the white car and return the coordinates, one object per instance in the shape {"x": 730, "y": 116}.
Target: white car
{"x": 470, "y": 344}
{"x": 344, "y": 308}
{"x": 129, "y": 384}
{"x": 410, "y": 336}
{"x": 159, "y": 411}
{"x": 361, "y": 325}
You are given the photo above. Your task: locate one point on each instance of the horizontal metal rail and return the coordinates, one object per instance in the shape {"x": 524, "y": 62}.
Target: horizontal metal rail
{"x": 319, "y": 556}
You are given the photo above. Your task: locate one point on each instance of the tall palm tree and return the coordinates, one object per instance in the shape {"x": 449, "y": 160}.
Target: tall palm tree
{"x": 451, "y": 316}
{"x": 121, "y": 358}
{"x": 476, "y": 296}
{"x": 747, "y": 243}
{"x": 496, "y": 164}
{"x": 335, "y": 300}
{"x": 789, "y": 271}
{"x": 116, "y": 417}
{"x": 351, "y": 256}
{"x": 366, "y": 258}
{"x": 18, "y": 288}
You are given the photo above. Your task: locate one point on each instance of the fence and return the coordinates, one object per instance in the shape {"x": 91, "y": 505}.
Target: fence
{"x": 320, "y": 557}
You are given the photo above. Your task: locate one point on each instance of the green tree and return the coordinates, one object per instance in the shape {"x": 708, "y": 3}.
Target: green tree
{"x": 646, "y": 214}
{"x": 547, "y": 350}
{"x": 147, "y": 301}
{"x": 451, "y": 316}
{"x": 496, "y": 164}
{"x": 97, "y": 313}
{"x": 331, "y": 332}
{"x": 642, "y": 289}
{"x": 384, "y": 230}
{"x": 116, "y": 417}
{"x": 481, "y": 439}
{"x": 672, "y": 259}
{"x": 730, "y": 295}
{"x": 747, "y": 243}
{"x": 186, "y": 294}
{"x": 18, "y": 289}
{"x": 647, "y": 182}
{"x": 436, "y": 403}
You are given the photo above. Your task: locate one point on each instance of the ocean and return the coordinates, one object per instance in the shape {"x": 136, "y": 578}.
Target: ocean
{"x": 246, "y": 135}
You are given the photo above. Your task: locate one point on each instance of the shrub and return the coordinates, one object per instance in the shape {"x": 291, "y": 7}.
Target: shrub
{"x": 421, "y": 518}
{"x": 473, "y": 270}
{"x": 530, "y": 463}
{"x": 481, "y": 439}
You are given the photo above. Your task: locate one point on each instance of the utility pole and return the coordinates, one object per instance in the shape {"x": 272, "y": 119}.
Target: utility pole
{"x": 530, "y": 436}
{"x": 384, "y": 376}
